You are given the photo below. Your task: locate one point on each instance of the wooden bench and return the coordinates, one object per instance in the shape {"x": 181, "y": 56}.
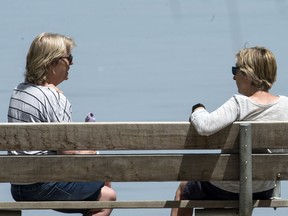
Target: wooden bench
{"x": 149, "y": 164}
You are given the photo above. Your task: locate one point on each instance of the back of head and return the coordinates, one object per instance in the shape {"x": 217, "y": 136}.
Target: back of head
{"x": 44, "y": 49}
{"x": 259, "y": 63}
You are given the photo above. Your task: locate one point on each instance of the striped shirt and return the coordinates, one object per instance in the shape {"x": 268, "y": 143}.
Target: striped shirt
{"x": 34, "y": 103}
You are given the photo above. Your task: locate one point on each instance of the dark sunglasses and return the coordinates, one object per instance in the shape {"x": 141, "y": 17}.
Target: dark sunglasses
{"x": 69, "y": 58}
{"x": 235, "y": 70}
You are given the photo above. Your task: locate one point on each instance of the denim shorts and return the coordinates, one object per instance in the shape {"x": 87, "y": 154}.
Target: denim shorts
{"x": 202, "y": 190}
{"x": 58, "y": 191}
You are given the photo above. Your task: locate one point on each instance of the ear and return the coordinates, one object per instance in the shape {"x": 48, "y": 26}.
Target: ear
{"x": 50, "y": 69}
{"x": 246, "y": 77}
{"x": 250, "y": 80}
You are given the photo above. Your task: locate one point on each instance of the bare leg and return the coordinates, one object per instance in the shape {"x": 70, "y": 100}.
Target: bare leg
{"x": 178, "y": 196}
{"x": 107, "y": 194}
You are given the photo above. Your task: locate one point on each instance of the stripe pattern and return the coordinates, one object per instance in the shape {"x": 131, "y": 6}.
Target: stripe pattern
{"x": 33, "y": 103}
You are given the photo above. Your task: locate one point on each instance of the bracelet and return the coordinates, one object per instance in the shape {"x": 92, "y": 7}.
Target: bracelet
{"x": 197, "y": 106}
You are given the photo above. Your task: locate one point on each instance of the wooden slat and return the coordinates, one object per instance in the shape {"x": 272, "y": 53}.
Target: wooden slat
{"x": 269, "y": 135}
{"x": 139, "y": 204}
{"x": 125, "y": 168}
{"x": 117, "y": 204}
{"x": 115, "y": 136}
{"x": 132, "y": 136}
{"x": 121, "y": 168}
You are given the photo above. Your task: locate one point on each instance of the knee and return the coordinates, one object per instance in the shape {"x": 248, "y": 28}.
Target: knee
{"x": 112, "y": 194}
{"x": 108, "y": 194}
{"x": 180, "y": 190}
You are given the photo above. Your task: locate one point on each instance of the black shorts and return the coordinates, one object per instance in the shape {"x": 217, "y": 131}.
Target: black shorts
{"x": 202, "y": 190}
{"x": 59, "y": 191}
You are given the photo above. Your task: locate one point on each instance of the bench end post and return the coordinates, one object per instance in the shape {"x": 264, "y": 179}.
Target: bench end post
{"x": 245, "y": 196}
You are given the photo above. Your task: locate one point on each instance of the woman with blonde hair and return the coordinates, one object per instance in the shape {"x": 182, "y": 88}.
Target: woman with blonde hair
{"x": 38, "y": 99}
{"x": 254, "y": 73}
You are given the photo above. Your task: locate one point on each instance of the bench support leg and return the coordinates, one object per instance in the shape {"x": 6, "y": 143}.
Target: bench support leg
{"x": 216, "y": 212}
{"x": 245, "y": 197}
{"x": 10, "y": 213}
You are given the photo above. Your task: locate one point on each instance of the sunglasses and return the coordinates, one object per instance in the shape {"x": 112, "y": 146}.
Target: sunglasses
{"x": 235, "y": 70}
{"x": 69, "y": 58}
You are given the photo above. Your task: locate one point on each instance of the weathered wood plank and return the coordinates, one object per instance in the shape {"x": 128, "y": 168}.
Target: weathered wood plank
{"x": 139, "y": 204}
{"x": 103, "y": 136}
{"x": 132, "y": 136}
{"x": 125, "y": 168}
{"x": 117, "y": 204}
{"x": 121, "y": 168}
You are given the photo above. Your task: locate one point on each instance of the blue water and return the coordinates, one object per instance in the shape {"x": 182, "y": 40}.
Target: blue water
{"x": 144, "y": 60}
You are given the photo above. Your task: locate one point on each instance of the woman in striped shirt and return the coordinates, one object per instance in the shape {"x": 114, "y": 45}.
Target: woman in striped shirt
{"x": 38, "y": 99}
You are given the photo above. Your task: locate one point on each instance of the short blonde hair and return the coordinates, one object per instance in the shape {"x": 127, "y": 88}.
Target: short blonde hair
{"x": 259, "y": 63}
{"x": 45, "y": 48}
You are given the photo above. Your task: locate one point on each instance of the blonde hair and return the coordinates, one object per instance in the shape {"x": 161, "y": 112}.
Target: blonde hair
{"x": 259, "y": 64}
{"x": 45, "y": 49}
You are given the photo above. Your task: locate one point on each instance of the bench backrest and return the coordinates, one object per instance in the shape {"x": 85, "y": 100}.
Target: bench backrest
{"x": 150, "y": 163}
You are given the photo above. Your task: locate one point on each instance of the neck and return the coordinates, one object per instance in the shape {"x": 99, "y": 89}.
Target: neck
{"x": 52, "y": 86}
{"x": 255, "y": 91}
{"x": 259, "y": 93}
{"x": 263, "y": 97}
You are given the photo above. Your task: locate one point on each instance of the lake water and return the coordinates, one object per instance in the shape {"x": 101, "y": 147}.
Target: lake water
{"x": 144, "y": 60}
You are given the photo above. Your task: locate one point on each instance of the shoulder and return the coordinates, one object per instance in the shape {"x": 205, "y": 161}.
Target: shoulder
{"x": 282, "y": 97}
{"x": 31, "y": 88}
{"x": 37, "y": 92}
{"x": 240, "y": 97}
{"x": 236, "y": 99}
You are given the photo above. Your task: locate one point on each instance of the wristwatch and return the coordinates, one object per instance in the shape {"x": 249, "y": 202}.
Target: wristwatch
{"x": 197, "y": 106}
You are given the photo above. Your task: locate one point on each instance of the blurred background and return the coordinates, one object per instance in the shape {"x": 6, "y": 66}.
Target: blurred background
{"x": 144, "y": 60}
